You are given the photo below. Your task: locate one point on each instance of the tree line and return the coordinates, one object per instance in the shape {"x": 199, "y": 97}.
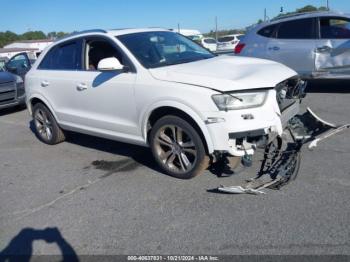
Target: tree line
{"x": 8, "y": 37}
{"x": 305, "y": 9}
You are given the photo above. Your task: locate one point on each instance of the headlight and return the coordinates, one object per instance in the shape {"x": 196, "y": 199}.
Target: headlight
{"x": 235, "y": 101}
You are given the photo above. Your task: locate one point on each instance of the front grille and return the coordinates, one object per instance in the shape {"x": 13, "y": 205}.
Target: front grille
{"x": 7, "y": 93}
{"x": 8, "y": 96}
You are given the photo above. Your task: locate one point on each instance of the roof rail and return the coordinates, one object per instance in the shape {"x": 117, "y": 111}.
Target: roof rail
{"x": 82, "y": 32}
{"x": 298, "y": 14}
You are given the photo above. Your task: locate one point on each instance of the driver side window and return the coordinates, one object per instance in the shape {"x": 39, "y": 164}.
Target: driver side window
{"x": 97, "y": 49}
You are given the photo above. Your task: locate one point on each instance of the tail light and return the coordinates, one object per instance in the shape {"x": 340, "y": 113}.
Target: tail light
{"x": 239, "y": 48}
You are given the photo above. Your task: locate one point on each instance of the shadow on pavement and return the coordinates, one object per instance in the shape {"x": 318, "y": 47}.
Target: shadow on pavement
{"x": 21, "y": 246}
{"x": 11, "y": 110}
{"x": 328, "y": 86}
{"x": 139, "y": 154}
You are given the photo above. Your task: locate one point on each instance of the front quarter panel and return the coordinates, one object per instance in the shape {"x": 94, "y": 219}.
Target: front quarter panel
{"x": 192, "y": 100}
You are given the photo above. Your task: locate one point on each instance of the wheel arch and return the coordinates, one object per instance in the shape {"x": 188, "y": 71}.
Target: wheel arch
{"x": 39, "y": 99}
{"x": 183, "y": 111}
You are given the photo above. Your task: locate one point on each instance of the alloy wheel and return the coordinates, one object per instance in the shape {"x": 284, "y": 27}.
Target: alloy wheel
{"x": 43, "y": 124}
{"x": 175, "y": 148}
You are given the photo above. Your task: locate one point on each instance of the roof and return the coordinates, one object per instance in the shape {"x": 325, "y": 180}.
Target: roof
{"x": 113, "y": 32}
{"x": 10, "y": 50}
{"x": 256, "y": 27}
{"x": 308, "y": 15}
{"x": 134, "y": 30}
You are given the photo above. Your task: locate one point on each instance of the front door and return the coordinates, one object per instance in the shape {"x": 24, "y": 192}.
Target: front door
{"x": 333, "y": 47}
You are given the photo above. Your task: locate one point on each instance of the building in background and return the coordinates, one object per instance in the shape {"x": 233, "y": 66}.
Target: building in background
{"x": 193, "y": 34}
{"x": 30, "y": 46}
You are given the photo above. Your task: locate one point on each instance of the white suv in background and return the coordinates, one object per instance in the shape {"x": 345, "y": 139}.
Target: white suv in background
{"x": 316, "y": 45}
{"x": 156, "y": 88}
{"x": 209, "y": 43}
{"x": 228, "y": 42}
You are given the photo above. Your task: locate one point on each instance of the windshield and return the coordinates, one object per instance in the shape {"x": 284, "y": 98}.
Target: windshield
{"x": 156, "y": 49}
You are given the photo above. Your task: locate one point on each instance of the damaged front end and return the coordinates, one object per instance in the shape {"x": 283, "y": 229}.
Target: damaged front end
{"x": 281, "y": 158}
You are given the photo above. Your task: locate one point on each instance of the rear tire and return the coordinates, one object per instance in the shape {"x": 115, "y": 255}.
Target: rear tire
{"x": 178, "y": 148}
{"x": 45, "y": 125}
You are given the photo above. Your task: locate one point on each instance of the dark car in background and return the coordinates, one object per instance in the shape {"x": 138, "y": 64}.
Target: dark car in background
{"x": 12, "y": 72}
{"x": 11, "y": 90}
{"x": 19, "y": 64}
{"x": 3, "y": 61}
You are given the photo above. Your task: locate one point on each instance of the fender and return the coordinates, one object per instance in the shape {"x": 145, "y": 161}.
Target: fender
{"x": 45, "y": 101}
{"x": 182, "y": 107}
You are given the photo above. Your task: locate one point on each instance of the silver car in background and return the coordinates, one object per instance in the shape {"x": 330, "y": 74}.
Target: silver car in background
{"x": 316, "y": 45}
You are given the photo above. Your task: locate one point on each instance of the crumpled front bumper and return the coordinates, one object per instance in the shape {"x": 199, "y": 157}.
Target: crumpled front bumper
{"x": 237, "y": 132}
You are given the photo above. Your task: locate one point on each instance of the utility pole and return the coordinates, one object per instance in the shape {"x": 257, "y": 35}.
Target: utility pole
{"x": 265, "y": 15}
{"x": 328, "y": 5}
{"x": 216, "y": 28}
{"x": 178, "y": 28}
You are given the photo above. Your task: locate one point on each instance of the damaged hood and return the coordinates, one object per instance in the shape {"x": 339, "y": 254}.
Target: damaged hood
{"x": 226, "y": 73}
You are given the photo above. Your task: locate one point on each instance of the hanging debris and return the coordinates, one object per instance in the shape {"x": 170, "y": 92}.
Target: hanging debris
{"x": 281, "y": 161}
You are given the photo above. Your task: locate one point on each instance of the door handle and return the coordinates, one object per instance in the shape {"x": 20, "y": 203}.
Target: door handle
{"x": 81, "y": 87}
{"x": 323, "y": 49}
{"x": 274, "y": 48}
{"x": 45, "y": 83}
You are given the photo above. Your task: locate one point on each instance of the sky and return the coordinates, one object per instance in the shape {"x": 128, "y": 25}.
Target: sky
{"x": 20, "y": 16}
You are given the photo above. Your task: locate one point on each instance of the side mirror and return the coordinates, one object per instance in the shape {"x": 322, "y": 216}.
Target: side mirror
{"x": 109, "y": 64}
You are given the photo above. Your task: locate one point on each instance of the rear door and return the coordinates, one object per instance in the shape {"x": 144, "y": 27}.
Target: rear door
{"x": 56, "y": 73}
{"x": 333, "y": 47}
{"x": 294, "y": 45}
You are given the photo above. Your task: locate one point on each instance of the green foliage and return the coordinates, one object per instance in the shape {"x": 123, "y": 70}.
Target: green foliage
{"x": 10, "y": 37}
{"x": 33, "y": 35}
{"x": 54, "y": 35}
{"x": 224, "y": 32}
{"x": 7, "y": 37}
{"x": 305, "y": 9}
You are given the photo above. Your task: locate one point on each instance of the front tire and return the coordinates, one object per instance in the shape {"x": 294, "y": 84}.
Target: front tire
{"x": 46, "y": 127}
{"x": 178, "y": 148}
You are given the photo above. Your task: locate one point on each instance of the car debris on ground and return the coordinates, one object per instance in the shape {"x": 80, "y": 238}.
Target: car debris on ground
{"x": 281, "y": 160}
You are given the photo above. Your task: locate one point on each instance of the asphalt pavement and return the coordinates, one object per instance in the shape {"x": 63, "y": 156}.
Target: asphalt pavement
{"x": 95, "y": 196}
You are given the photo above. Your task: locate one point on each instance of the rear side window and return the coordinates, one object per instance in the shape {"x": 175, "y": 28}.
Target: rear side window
{"x": 335, "y": 28}
{"x": 226, "y": 39}
{"x": 209, "y": 41}
{"x": 297, "y": 29}
{"x": 63, "y": 57}
{"x": 268, "y": 31}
